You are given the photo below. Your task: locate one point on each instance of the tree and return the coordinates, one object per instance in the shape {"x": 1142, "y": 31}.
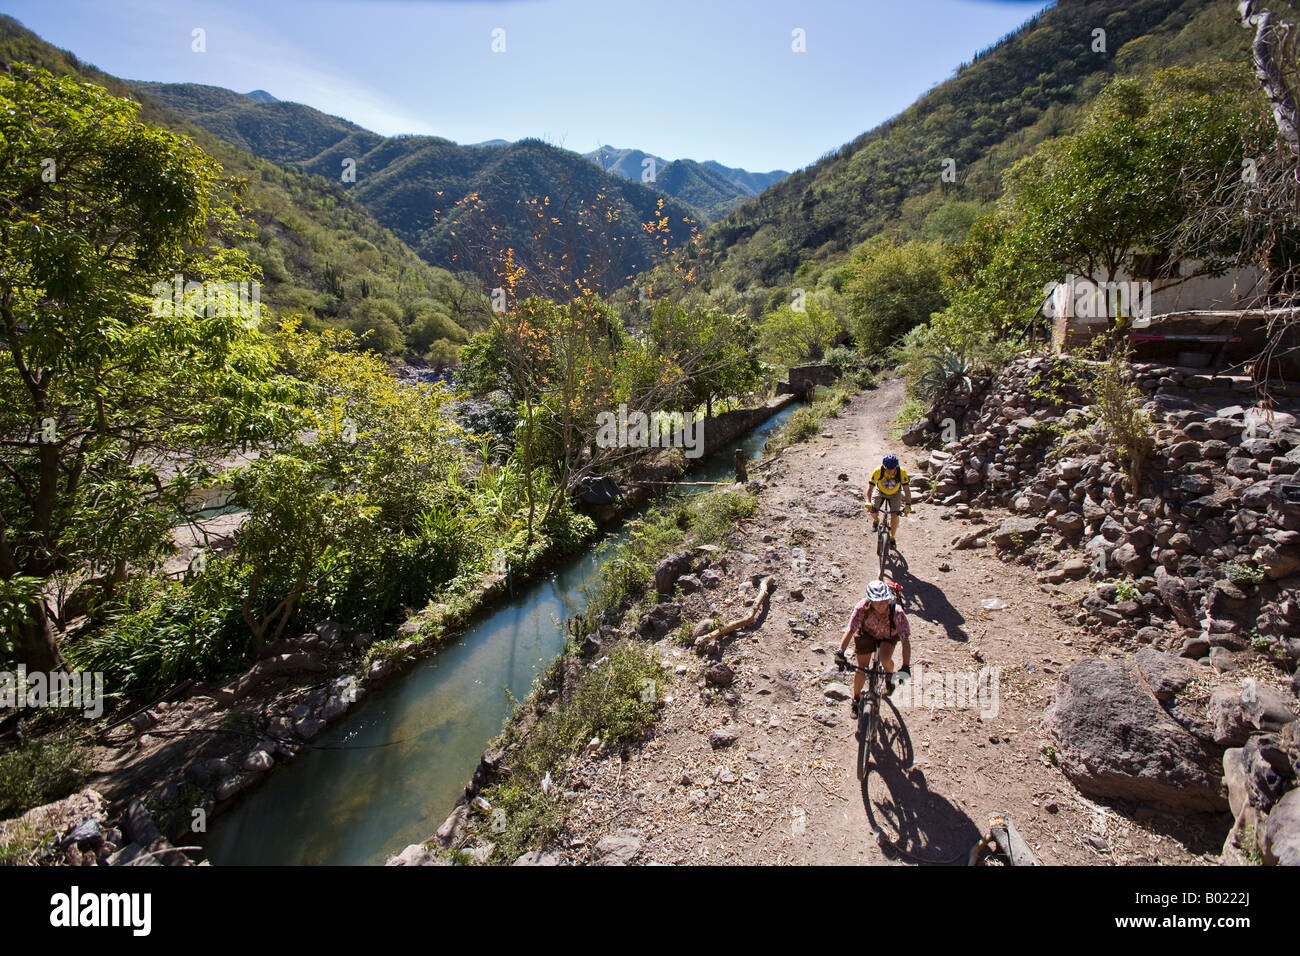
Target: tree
{"x": 374, "y": 460}
{"x": 703, "y": 354}
{"x": 893, "y": 287}
{"x": 1245, "y": 215}
{"x": 1092, "y": 201}
{"x": 114, "y": 403}
{"x": 792, "y": 336}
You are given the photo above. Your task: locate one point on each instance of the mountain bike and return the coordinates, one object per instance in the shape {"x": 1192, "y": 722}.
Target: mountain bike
{"x": 869, "y": 706}
{"x": 888, "y": 508}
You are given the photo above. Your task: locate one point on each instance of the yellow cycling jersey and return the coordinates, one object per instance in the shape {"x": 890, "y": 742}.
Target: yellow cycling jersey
{"x": 889, "y": 484}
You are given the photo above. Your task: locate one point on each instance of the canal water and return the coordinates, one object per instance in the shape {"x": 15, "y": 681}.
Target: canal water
{"x": 388, "y": 773}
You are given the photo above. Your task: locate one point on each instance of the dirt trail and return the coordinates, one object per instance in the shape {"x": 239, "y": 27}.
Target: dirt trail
{"x": 785, "y": 790}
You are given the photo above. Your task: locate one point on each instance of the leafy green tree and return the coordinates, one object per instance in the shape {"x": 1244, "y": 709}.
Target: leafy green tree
{"x": 790, "y": 336}
{"x": 1090, "y": 202}
{"x": 703, "y": 354}
{"x": 893, "y": 287}
{"x": 376, "y": 323}
{"x": 114, "y": 405}
{"x": 374, "y": 468}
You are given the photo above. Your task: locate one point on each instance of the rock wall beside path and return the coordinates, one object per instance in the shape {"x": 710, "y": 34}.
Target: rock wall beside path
{"x": 1196, "y": 572}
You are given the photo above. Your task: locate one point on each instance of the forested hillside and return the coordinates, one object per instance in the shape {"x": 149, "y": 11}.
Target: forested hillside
{"x": 459, "y": 207}
{"x": 321, "y": 253}
{"x": 1031, "y": 86}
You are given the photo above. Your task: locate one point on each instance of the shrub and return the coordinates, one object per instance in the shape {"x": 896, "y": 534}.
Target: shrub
{"x": 158, "y": 633}
{"x": 1244, "y": 573}
{"x": 41, "y": 771}
{"x": 617, "y": 702}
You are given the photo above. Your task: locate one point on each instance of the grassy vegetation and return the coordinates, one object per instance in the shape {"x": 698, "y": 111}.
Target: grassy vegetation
{"x": 41, "y": 771}
{"x": 703, "y": 519}
{"x": 806, "y": 422}
{"x": 616, "y": 702}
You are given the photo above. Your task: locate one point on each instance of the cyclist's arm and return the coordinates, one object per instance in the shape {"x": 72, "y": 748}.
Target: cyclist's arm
{"x": 854, "y": 624}
{"x": 904, "y": 635}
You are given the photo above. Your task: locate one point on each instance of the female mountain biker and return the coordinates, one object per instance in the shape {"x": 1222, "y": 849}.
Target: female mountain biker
{"x": 878, "y": 619}
{"x": 886, "y": 480}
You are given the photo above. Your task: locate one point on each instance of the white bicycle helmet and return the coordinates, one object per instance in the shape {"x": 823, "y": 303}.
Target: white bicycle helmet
{"x": 879, "y": 591}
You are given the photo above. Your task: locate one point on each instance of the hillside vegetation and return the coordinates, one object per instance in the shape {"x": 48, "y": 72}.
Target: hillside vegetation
{"x": 459, "y": 207}
{"x": 1032, "y": 86}
{"x": 321, "y": 254}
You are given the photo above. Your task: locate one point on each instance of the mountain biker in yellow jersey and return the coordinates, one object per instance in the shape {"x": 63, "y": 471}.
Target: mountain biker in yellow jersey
{"x": 878, "y": 619}
{"x": 887, "y": 480}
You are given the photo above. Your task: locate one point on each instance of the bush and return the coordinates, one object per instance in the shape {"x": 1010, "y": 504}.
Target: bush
{"x": 802, "y": 425}
{"x": 39, "y": 772}
{"x": 1126, "y": 427}
{"x": 630, "y": 571}
{"x": 158, "y": 633}
{"x": 843, "y": 357}
{"x": 716, "y": 513}
{"x": 617, "y": 703}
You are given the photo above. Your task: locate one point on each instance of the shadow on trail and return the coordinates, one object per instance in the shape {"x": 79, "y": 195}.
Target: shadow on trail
{"x": 928, "y": 602}
{"x": 924, "y": 827}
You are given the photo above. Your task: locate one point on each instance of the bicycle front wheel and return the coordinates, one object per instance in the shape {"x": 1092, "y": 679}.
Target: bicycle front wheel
{"x": 866, "y": 724}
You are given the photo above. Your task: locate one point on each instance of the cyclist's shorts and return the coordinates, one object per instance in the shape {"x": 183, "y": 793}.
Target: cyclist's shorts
{"x": 878, "y": 501}
{"x": 864, "y": 643}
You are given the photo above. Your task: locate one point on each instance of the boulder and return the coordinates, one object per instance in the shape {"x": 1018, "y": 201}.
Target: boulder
{"x": 1075, "y": 568}
{"x": 1130, "y": 559}
{"x": 452, "y": 831}
{"x": 838, "y": 691}
{"x": 659, "y": 620}
{"x": 618, "y": 849}
{"x": 1277, "y": 562}
{"x": 670, "y": 569}
{"x": 719, "y": 675}
{"x": 1015, "y": 531}
{"x": 1281, "y": 843}
{"x": 1116, "y": 743}
{"x": 1067, "y": 522}
{"x": 1227, "y": 718}
{"x": 417, "y": 855}
{"x": 1173, "y": 592}
{"x": 723, "y": 737}
{"x": 1165, "y": 674}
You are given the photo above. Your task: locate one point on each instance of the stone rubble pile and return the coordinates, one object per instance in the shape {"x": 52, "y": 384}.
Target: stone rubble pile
{"x": 1197, "y": 570}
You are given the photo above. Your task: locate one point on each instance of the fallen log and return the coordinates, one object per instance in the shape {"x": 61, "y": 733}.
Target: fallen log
{"x": 765, "y": 588}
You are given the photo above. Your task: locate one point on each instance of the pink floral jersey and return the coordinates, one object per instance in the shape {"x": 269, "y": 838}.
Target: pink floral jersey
{"x": 877, "y": 625}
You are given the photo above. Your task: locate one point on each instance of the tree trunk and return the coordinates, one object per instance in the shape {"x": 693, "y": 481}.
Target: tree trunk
{"x": 36, "y": 646}
{"x": 1269, "y": 73}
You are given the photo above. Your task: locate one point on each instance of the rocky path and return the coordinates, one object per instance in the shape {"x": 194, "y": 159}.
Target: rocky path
{"x": 760, "y": 769}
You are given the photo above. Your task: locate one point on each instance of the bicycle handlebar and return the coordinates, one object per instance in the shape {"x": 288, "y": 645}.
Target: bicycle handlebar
{"x": 847, "y": 665}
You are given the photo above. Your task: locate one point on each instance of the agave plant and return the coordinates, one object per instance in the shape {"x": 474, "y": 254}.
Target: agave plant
{"x": 945, "y": 371}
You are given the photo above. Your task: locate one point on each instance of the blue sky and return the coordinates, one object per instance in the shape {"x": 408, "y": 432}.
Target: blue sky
{"x": 699, "y": 79}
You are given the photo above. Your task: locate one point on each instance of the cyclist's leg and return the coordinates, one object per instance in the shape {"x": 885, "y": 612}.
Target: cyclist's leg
{"x": 886, "y": 657}
{"x": 877, "y": 501}
{"x": 863, "y": 648}
{"x": 893, "y": 515}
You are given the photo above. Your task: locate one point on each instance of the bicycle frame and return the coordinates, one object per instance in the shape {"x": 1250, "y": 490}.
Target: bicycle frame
{"x": 888, "y": 508}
